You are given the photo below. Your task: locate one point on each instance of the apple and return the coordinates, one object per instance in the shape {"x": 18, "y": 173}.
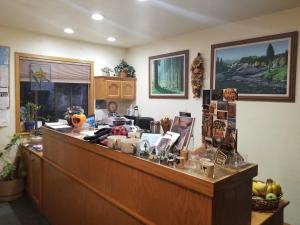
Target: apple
{"x": 271, "y": 196}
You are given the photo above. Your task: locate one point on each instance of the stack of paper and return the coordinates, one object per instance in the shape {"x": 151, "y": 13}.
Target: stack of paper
{"x": 58, "y": 125}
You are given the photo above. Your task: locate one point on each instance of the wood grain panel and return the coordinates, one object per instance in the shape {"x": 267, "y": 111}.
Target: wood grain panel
{"x": 136, "y": 190}
{"x": 100, "y": 212}
{"x": 128, "y": 90}
{"x": 233, "y": 199}
{"x": 36, "y": 173}
{"x": 64, "y": 199}
{"x": 113, "y": 89}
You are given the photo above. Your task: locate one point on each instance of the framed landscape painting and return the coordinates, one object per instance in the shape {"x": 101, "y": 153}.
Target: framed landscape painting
{"x": 261, "y": 69}
{"x": 168, "y": 75}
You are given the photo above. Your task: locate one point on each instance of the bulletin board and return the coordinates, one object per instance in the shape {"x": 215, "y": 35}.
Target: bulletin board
{"x": 4, "y": 77}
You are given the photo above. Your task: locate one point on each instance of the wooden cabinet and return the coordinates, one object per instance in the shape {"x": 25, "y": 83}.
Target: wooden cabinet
{"x": 115, "y": 88}
{"x": 91, "y": 184}
{"x": 127, "y": 90}
{"x": 33, "y": 164}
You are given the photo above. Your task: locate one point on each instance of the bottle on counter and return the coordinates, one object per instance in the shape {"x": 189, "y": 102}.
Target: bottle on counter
{"x": 130, "y": 110}
{"x": 136, "y": 111}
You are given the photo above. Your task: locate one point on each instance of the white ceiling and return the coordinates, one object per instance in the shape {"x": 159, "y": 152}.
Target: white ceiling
{"x": 130, "y": 21}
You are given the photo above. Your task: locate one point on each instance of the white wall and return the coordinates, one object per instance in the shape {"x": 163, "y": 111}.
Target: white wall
{"x": 269, "y": 133}
{"x": 20, "y": 41}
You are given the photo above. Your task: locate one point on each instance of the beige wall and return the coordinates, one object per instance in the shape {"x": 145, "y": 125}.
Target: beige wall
{"x": 269, "y": 133}
{"x": 20, "y": 41}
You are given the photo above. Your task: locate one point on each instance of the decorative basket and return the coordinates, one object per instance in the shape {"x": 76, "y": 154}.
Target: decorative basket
{"x": 261, "y": 204}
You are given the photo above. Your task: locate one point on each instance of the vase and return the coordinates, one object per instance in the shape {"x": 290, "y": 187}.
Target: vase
{"x": 11, "y": 190}
{"x": 123, "y": 74}
{"x": 29, "y": 125}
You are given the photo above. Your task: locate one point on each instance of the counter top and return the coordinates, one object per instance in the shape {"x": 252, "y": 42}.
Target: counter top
{"x": 136, "y": 190}
{"x": 187, "y": 177}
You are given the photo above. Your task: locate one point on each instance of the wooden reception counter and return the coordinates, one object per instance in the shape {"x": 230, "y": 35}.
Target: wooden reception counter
{"x": 88, "y": 184}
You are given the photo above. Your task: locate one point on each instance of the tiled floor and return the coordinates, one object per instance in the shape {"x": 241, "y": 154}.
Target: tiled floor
{"x": 21, "y": 212}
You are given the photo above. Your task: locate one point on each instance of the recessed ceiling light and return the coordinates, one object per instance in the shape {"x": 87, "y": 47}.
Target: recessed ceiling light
{"x": 142, "y": 0}
{"x": 111, "y": 39}
{"x": 69, "y": 30}
{"x": 97, "y": 16}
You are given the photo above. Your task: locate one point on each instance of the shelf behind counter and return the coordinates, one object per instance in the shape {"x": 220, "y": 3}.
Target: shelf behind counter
{"x": 94, "y": 183}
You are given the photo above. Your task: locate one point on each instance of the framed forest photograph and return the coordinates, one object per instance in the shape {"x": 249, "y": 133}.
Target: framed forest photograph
{"x": 168, "y": 75}
{"x": 261, "y": 69}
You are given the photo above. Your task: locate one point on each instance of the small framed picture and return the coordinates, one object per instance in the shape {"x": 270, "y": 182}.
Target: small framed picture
{"x": 168, "y": 75}
{"x": 183, "y": 126}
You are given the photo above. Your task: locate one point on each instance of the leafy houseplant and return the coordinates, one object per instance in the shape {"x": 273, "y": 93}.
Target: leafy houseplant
{"x": 124, "y": 69}
{"x": 71, "y": 111}
{"x": 11, "y": 172}
{"x": 29, "y": 115}
{"x": 106, "y": 71}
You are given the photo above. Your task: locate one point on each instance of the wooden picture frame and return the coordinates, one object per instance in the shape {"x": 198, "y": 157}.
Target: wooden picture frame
{"x": 168, "y": 75}
{"x": 262, "y": 69}
{"x": 44, "y": 58}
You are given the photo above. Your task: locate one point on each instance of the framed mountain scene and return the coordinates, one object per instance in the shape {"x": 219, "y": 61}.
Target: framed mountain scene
{"x": 261, "y": 69}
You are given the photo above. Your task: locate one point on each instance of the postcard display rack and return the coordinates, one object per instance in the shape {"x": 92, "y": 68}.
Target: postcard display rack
{"x": 219, "y": 133}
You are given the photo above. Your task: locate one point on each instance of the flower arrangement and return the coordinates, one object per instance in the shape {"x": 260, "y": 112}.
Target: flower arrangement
{"x": 124, "y": 69}
{"x": 30, "y": 111}
{"x": 106, "y": 71}
{"x": 71, "y": 111}
{"x": 29, "y": 115}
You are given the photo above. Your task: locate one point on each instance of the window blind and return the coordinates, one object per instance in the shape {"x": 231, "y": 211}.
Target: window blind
{"x": 57, "y": 71}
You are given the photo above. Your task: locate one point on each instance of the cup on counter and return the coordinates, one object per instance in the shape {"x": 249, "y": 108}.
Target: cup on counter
{"x": 208, "y": 169}
{"x": 185, "y": 155}
{"x": 180, "y": 162}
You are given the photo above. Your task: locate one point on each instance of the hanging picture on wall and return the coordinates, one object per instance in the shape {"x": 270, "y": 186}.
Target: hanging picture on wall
{"x": 261, "y": 69}
{"x": 4, "y": 77}
{"x": 168, "y": 75}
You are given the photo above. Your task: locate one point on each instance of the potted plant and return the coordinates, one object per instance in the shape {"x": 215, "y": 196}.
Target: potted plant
{"x": 71, "y": 111}
{"x": 29, "y": 115}
{"x": 124, "y": 70}
{"x": 11, "y": 171}
{"x": 106, "y": 71}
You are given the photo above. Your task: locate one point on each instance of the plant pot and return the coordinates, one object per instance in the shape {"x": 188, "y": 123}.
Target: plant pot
{"x": 123, "y": 74}
{"x": 11, "y": 190}
{"x": 29, "y": 125}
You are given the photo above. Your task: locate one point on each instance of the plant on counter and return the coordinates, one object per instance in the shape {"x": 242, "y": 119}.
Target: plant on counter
{"x": 124, "y": 69}
{"x": 72, "y": 111}
{"x": 106, "y": 71}
{"x": 29, "y": 115}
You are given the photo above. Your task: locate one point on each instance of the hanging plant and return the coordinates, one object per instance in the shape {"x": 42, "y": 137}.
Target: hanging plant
{"x": 197, "y": 69}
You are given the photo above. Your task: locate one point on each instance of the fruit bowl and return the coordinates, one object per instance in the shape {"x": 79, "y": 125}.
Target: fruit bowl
{"x": 261, "y": 204}
{"x": 266, "y": 195}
